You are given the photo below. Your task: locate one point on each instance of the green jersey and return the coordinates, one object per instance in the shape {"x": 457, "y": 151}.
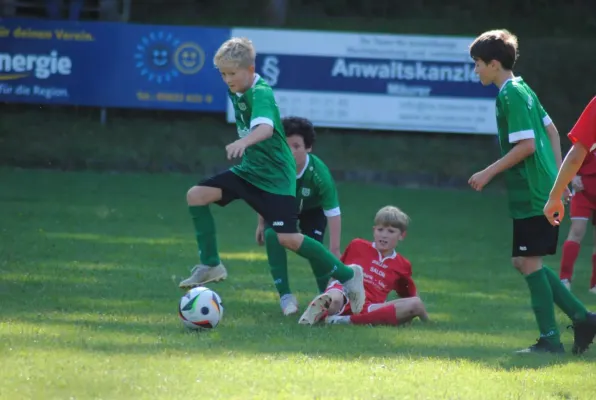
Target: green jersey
{"x": 521, "y": 116}
{"x": 269, "y": 165}
{"x": 315, "y": 187}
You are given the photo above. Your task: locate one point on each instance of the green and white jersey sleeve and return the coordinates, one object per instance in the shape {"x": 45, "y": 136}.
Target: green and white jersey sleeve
{"x": 269, "y": 164}
{"x": 315, "y": 188}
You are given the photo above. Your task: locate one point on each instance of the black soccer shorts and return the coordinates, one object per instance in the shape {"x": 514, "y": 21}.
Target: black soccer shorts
{"x": 534, "y": 237}
{"x": 279, "y": 211}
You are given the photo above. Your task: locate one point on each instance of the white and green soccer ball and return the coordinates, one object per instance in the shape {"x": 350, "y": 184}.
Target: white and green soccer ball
{"x": 200, "y": 308}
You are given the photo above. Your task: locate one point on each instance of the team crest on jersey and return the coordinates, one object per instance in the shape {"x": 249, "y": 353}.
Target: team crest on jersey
{"x": 305, "y": 192}
{"x": 242, "y": 106}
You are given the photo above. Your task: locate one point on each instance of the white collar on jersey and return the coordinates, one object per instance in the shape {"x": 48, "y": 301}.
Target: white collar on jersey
{"x": 381, "y": 258}
{"x": 305, "y": 166}
{"x": 515, "y": 78}
{"x": 257, "y": 76}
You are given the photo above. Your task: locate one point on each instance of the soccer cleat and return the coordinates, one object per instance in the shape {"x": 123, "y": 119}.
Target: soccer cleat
{"x": 566, "y": 283}
{"x": 202, "y": 274}
{"x": 337, "y": 319}
{"x": 289, "y": 304}
{"x": 316, "y": 310}
{"x": 543, "y": 346}
{"x": 583, "y": 333}
{"x": 593, "y": 290}
{"x": 354, "y": 289}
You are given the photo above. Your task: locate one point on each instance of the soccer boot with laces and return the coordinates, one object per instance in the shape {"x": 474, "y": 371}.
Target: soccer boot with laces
{"x": 202, "y": 274}
{"x": 543, "y": 346}
{"x": 583, "y": 333}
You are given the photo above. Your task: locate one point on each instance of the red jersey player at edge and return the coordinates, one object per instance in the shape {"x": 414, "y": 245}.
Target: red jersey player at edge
{"x": 583, "y": 136}
{"x": 582, "y": 211}
{"x": 531, "y": 151}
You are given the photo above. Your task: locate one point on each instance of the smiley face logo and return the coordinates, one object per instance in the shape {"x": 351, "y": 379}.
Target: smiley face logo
{"x": 160, "y": 57}
{"x": 189, "y": 58}
{"x": 154, "y": 57}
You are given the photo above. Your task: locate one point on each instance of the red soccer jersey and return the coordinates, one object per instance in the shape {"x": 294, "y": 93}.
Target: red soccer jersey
{"x": 588, "y": 174}
{"x": 584, "y": 131}
{"x": 381, "y": 275}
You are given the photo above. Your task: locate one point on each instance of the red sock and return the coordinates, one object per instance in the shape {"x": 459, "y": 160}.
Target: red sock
{"x": 593, "y": 280}
{"x": 382, "y": 316}
{"x": 570, "y": 252}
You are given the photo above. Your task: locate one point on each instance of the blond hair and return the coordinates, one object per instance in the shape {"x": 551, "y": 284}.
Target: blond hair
{"x": 392, "y": 216}
{"x": 237, "y": 52}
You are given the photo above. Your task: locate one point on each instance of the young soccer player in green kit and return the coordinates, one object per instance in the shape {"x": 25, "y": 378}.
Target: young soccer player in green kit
{"x": 265, "y": 178}
{"x": 531, "y": 154}
{"x": 318, "y": 207}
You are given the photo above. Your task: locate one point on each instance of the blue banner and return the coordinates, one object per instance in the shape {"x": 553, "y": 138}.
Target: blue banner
{"x": 111, "y": 65}
{"x": 378, "y": 76}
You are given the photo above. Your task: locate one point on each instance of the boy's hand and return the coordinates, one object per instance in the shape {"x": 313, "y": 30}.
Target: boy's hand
{"x": 236, "y": 149}
{"x": 554, "y": 210}
{"x": 480, "y": 179}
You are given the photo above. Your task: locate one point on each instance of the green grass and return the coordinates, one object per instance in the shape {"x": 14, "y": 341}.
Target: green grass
{"x": 88, "y": 270}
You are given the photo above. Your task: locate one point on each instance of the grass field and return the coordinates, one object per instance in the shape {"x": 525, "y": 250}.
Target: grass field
{"x": 88, "y": 271}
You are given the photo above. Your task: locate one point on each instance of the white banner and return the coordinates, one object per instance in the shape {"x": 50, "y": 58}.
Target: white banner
{"x": 385, "y": 82}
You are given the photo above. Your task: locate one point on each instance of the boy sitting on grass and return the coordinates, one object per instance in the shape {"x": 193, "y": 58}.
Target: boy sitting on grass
{"x": 384, "y": 270}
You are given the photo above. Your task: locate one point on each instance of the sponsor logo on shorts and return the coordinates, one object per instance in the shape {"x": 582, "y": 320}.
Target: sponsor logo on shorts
{"x": 278, "y": 223}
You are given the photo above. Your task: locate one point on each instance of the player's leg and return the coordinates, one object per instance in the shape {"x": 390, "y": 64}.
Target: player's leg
{"x": 220, "y": 189}
{"x": 281, "y": 212}
{"x": 580, "y": 213}
{"x": 395, "y": 312}
{"x": 332, "y": 301}
{"x": 528, "y": 249}
{"x": 278, "y": 266}
{"x": 313, "y": 224}
{"x": 539, "y": 238}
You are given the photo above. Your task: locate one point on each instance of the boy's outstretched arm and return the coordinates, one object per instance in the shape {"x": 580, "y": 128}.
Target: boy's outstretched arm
{"x": 523, "y": 149}
{"x": 258, "y": 134}
{"x": 573, "y": 162}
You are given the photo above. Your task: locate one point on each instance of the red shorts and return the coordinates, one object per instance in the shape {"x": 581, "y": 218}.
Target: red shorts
{"x": 346, "y": 309}
{"x": 583, "y": 206}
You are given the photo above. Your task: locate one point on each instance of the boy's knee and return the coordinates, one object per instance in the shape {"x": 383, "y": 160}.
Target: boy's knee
{"x": 418, "y": 305}
{"x": 518, "y": 263}
{"x": 526, "y": 265}
{"x": 202, "y": 195}
{"x": 577, "y": 231}
{"x": 290, "y": 240}
{"x": 336, "y": 305}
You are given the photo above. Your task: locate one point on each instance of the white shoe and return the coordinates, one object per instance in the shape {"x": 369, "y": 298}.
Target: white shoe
{"x": 566, "y": 283}
{"x": 316, "y": 310}
{"x": 202, "y": 274}
{"x": 354, "y": 289}
{"x": 593, "y": 290}
{"x": 337, "y": 319}
{"x": 289, "y": 304}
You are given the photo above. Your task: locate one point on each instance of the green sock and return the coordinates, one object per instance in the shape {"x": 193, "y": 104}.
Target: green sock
{"x": 543, "y": 305}
{"x": 205, "y": 234}
{"x": 278, "y": 262}
{"x": 566, "y": 300}
{"x": 315, "y": 252}
{"x": 321, "y": 275}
